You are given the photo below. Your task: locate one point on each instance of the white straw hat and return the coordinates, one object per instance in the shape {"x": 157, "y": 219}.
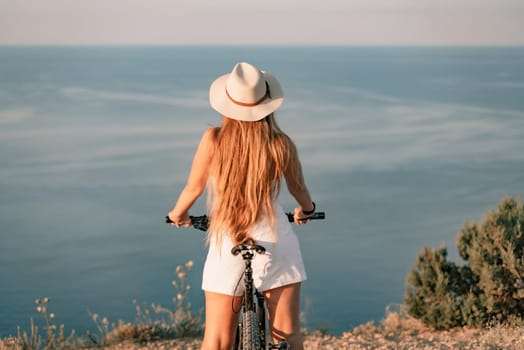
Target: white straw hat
{"x": 247, "y": 93}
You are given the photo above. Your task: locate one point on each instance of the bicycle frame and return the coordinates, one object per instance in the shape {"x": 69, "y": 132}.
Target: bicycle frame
{"x": 248, "y": 304}
{"x": 256, "y": 331}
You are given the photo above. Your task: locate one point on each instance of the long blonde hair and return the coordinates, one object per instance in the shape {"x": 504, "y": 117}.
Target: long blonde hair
{"x": 248, "y": 162}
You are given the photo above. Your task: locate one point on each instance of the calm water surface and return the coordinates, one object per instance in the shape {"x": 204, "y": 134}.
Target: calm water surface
{"x": 399, "y": 145}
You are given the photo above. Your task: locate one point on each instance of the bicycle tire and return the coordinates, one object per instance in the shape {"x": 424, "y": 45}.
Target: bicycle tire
{"x": 250, "y": 331}
{"x": 238, "y": 338}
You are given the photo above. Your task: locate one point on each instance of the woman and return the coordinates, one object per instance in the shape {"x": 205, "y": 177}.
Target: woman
{"x": 242, "y": 164}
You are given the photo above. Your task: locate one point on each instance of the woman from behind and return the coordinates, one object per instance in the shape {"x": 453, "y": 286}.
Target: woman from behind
{"x": 242, "y": 164}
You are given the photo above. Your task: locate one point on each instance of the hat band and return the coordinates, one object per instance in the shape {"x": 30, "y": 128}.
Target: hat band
{"x": 244, "y": 104}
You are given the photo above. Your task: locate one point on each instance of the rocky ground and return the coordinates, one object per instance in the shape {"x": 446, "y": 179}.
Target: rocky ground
{"x": 501, "y": 339}
{"x": 394, "y": 333}
{"x": 468, "y": 340}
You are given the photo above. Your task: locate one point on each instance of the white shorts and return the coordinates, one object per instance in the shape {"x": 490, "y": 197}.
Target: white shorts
{"x": 281, "y": 264}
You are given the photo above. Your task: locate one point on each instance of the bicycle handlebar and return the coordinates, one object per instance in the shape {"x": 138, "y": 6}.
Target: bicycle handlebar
{"x": 202, "y": 222}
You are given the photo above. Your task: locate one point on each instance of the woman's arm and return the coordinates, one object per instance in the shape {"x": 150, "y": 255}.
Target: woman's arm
{"x": 297, "y": 186}
{"x": 196, "y": 181}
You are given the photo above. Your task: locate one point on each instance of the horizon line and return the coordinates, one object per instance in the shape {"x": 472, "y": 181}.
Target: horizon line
{"x": 302, "y": 45}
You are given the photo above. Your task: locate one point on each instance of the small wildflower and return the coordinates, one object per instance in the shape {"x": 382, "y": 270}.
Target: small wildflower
{"x": 38, "y": 301}
{"x": 181, "y": 275}
{"x": 178, "y": 269}
{"x": 180, "y": 296}
{"x": 188, "y": 287}
{"x": 39, "y": 309}
{"x": 105, "y": 321}
{"x": 94, "y": 317}
{"x": 189, "y": 264}
{"x": 174, "y": 284}
{"x": 51, "y": 315}
{"x": 46, "y": 300}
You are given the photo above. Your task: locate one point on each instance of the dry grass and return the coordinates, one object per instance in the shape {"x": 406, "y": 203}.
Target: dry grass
{"x": 154, "y": 324}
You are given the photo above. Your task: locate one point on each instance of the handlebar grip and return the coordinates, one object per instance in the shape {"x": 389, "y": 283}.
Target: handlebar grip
{"x": 198, "y": 222}
{"x": 320, "y": 215}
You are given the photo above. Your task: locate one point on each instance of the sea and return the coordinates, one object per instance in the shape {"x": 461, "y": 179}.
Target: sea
{"x": 400, "y": 147}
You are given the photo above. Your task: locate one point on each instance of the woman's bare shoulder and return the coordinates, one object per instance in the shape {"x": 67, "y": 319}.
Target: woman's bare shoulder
{"x": 209, "y": 138}
{"x": 210, "y": 134}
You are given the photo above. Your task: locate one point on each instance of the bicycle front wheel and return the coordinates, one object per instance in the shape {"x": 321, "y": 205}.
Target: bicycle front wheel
{"x": 250, "y": 331}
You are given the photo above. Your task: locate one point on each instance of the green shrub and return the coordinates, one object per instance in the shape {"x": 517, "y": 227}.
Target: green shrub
{"x": 489, "y": 288}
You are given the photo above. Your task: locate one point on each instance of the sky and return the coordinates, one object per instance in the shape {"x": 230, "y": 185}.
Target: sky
{"x": 269, "y": 22}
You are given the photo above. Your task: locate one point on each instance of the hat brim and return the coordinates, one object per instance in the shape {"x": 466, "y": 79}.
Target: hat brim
{"x": 223, "y": 104}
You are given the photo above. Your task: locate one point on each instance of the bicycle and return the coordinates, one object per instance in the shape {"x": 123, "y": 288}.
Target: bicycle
{"x": 251, "y": 333}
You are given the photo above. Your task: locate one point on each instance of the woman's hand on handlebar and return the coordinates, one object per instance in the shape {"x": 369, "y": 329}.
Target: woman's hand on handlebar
{"x": 179, "y": 220}
{"x": 299, "y": 216}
